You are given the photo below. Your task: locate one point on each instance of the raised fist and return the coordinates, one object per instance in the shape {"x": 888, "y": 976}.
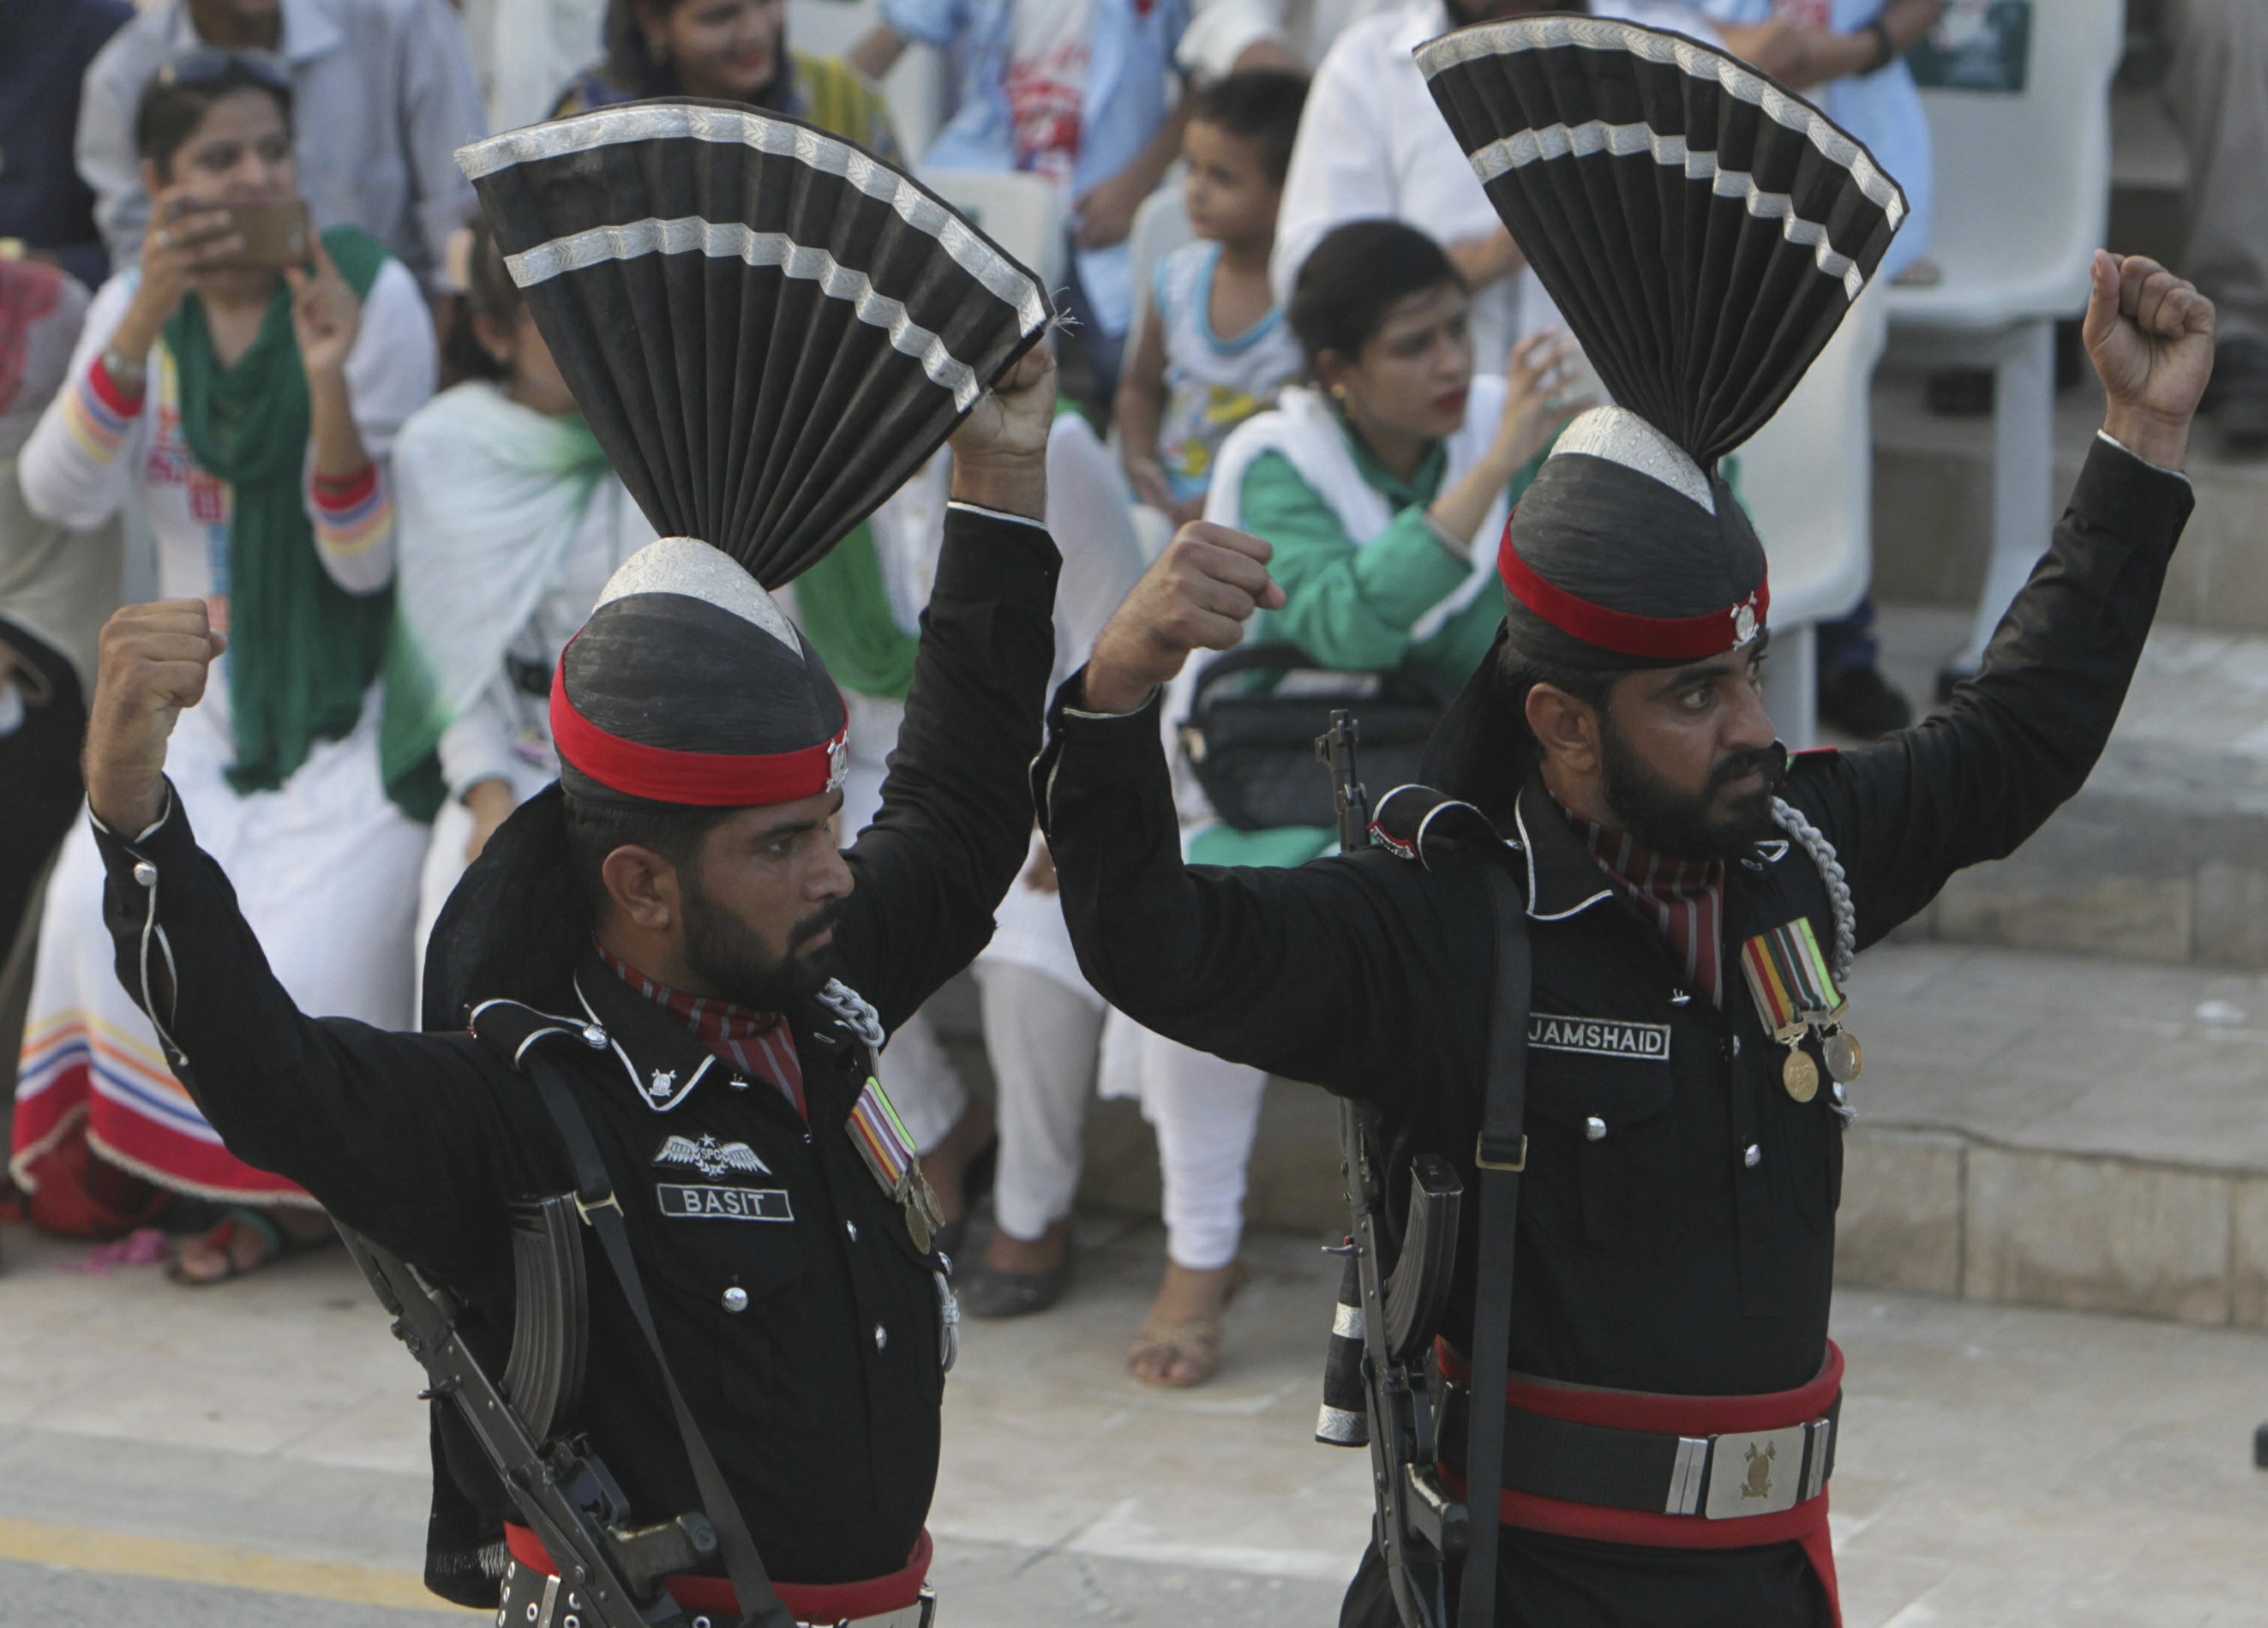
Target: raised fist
{"x": 155, "y": 661}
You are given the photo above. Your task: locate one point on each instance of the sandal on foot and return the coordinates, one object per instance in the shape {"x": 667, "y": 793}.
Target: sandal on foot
{"x": 222, "y": 1236}
{"x": 1195, "y": 1341}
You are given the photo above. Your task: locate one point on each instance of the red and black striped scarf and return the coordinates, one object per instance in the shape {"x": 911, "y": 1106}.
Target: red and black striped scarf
{"x": 756, "y": 1043}
{"x": 1684, "y": 898}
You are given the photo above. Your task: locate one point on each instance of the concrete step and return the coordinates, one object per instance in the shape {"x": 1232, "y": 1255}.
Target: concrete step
{"x": 2163, "y": 856}
{"x": 2034, "y": 1130}
{"x": 1933, "y": 508}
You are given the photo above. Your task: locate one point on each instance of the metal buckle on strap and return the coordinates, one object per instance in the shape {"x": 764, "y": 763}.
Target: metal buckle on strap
{"x": 1481, "y": 1157}
{"x": 608, "y": 1203}
{"x": 1757, "y": 1472}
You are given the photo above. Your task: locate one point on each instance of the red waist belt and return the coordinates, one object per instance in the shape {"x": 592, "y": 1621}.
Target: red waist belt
{"x": 811, "y": 1603}
{"x": 1725, "y": 1447}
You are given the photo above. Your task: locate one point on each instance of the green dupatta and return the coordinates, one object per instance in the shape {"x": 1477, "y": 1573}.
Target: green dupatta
{"x": 302, "y": 650}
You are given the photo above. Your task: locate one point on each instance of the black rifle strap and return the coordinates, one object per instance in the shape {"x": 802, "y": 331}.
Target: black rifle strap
{"x": 594, "y": 1197}
{"x": 1501, "y": 1155}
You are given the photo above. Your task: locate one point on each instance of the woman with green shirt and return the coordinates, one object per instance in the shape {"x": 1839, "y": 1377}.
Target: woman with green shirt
{"x": 1382, "y": 484}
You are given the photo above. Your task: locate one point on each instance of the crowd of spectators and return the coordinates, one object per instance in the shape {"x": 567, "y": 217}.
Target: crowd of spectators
{"x": 1349, "y": 358}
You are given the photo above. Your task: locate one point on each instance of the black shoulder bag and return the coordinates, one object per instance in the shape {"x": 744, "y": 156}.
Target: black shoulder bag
{"x": 1254, "y": 750}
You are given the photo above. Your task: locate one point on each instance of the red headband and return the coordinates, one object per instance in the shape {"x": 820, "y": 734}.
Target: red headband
{"x": 1662, "y": 638}
{"x": 691, "y": 779}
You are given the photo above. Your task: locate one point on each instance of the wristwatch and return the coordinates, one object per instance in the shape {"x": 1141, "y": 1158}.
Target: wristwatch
{"x": 129, "y": 373}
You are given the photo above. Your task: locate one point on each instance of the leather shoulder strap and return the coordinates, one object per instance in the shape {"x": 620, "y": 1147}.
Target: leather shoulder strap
{"x": 520, "y": 1034}
{"x": 1501, "y": 1155}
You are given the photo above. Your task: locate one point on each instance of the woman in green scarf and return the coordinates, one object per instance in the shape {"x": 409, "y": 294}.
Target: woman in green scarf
{"x": 238, "y": 389}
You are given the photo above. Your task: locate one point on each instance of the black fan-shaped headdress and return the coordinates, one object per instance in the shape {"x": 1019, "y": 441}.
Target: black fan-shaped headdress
{"x": 768, "y": 329}
{"x": 1703, "y": 231}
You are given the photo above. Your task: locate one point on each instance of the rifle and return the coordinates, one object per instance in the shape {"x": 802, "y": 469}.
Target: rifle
{"x": 563, "y": 1492}
{"x": 1403, "y": 1282}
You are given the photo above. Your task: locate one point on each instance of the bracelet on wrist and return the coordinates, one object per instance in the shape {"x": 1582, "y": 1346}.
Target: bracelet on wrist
{"x": 129, "y": 374}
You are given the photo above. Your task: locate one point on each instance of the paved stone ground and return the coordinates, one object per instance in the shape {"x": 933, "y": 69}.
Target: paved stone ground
{"x": 250, "y": 1455}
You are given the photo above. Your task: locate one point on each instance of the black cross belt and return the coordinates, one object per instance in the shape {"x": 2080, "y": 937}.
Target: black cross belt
{"x": 1752, "y": 1472}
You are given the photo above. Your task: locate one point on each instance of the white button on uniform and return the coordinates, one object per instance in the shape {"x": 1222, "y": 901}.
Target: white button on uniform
{"x": 1595, "y": 1128}
{"x": 736, "y": 1299}
{"x": 1753, "y": 1156}
{"x": 881, "y": 1336}
{"x": 146, "y": 872}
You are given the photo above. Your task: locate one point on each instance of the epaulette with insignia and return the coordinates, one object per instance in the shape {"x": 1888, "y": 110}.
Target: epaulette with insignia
{"x": 1419, "y": 823}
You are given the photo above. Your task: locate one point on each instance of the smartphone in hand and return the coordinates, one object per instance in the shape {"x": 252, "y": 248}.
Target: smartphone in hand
{"x": 276, "y": 235}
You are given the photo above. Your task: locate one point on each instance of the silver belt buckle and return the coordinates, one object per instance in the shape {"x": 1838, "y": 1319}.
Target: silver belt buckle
{"x": 921, "y": 1614}
{"x": 1757, "y": 1472}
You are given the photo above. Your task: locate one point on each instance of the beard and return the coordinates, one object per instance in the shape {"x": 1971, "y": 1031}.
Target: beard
{"x": 730, "y": 957}
{"x": 1681, "y": 825}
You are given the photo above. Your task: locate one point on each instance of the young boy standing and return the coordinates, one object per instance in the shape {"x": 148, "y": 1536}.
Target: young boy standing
{"x": 1213, "y": 349}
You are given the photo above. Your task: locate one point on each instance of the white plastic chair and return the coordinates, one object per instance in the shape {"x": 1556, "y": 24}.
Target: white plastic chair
{"x": 1160, "y": 227}
{"x": 1027, "y": 215}
{"x": 916, "y": 86}
{"x": 2022, "y": 199}
{"x": 1806, "y": 480}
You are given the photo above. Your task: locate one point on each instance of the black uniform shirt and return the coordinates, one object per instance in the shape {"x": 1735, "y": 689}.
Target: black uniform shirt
{"x": 1684, "y": 1242}
{"x": 821, "y": 1398}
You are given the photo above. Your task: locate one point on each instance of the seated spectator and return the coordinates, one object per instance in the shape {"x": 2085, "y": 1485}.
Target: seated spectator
{"x": 45, "y": 208}
{"x": 1212, "y": 350}
{"x": 729, "y": 51}
{"x": 57, "y": 586}
{"x": 1373, "y": 145}
{"x": 509, "y": 522}
{"x": 396, "y": 98}
{"x": 1382, "y": 488}
{"x": 2217, "y": 89}
{"x": 246, "y": 413}
{"x": 1044, "y": 1023}
{"x": 1076, "y": 90}
{"x": 524, "y": 50}
{"x": 1849, "y": 56}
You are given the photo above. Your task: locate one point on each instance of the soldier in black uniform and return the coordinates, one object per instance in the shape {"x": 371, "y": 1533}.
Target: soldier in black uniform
{"x": 683, "y": 905}
{"x": 1692, "y": 897}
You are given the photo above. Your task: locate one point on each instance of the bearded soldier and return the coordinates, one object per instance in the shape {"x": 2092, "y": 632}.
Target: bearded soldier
{"x": 1613, "y": 833}
{"x": 767, "y": 329}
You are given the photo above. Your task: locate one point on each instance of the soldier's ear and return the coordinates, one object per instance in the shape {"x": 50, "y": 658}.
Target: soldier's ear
{"x": 1566, "y": 728}
{"x": 642, "y": 888}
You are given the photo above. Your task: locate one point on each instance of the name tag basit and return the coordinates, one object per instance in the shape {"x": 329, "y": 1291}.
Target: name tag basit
{"x": 723, "y": 1203}
{"x": 1598, "y": 1037}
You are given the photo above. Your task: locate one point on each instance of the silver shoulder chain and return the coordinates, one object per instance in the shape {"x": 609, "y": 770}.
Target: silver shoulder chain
{"x": 854, "y": 1011}
{"x": 1814, "y": 842}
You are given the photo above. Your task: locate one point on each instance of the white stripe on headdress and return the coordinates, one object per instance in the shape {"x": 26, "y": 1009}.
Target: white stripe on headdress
{"x": 831, "y": 155}
{"x": 1523, "y": 148}
{"x": 731, "y": 240}
{"x": 1690, "y": 57}
{"x": 690, "y": 567}
{"x": 1620, "y": 435}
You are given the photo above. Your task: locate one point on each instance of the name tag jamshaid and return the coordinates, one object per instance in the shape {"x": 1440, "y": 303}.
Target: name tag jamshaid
{"x": 1598, "y": 1037}
{"x": 723, "y": 1203}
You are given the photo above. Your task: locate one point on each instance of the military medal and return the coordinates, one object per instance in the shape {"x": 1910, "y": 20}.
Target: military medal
{"x": 888, "y": 1150}
{"x": 1795, "y": 995}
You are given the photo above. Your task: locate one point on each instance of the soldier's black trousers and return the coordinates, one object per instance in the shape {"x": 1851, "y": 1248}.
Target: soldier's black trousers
{"x": 1567, "y": 1582}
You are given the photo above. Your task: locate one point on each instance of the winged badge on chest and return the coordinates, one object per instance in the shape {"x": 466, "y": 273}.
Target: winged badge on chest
{"x": 710, "y": 1157}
